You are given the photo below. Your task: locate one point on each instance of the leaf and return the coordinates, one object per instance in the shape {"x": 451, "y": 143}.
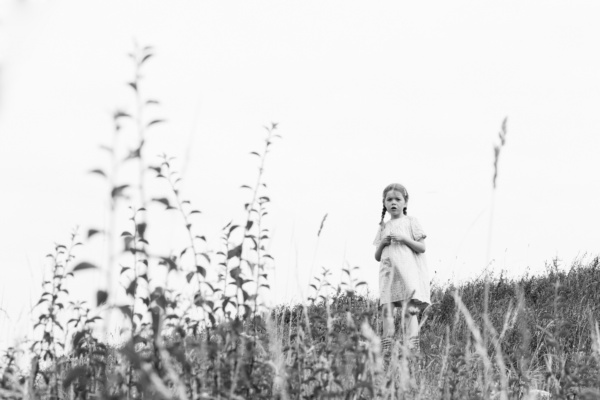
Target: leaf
{"x": 195, "y": 212}
{"x": 158, "y": 296}
{"x": 249, "y": 224}
{"x": 118, "y": 191}
{"x": 92, "y": 232}
{"x": 207, "y": 256}
{"x": 212, "y": 289}
{"x": 84, "y": 265}
{"x": 42, "y": 300}
{"x": 235, "y": 272}
{"x": 255, "y": 153}
{"x": 141, "y": 229}
{"x": 77, "y": 338}
{"x": 245, "y": 187}
{"x": 101, "y": 297}
{"x": 235, "y": 252}
{"x": 189, "y": 276}
{"x": 201, "y": 270}
{"x": 164, "y": 201}
{"x": 133, "y": 85}
{"x": 136, "y": 153}
{"x": 126, "y": 310}
{"x": 252, "y": 266}
{"x": 154, "y": 122}
{"x": 146, "y": 57}
{"x": 126, "y": 233}
{"x": 121, "y": 114}
{"x": 59, "y": 325}
{"x": 131, "y": 289}
{"x": 248, "y": 310}
{"x": 201, "y": 238}
{"x": 168, "y": 262}
{"x": 99, "y": 172}
{"x": 152, "y": 101}
{"x": 155, "y": 169}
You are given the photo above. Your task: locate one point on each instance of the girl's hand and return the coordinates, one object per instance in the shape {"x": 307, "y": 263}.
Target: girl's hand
{"x": 399, "y": 238}
{"x": 386, "y": 241}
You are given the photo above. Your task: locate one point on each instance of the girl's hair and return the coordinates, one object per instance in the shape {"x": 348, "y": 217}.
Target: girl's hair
{"x": 388, "y": 188}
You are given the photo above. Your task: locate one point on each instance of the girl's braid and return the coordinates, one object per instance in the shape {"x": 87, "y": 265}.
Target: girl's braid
{"x": 382, "y": 215}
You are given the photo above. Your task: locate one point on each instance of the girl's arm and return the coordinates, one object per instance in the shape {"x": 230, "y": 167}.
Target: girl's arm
{"x": 384, "y": 242}
{"x": 418, "y": 246}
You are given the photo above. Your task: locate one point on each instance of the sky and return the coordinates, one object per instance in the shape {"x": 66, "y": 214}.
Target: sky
{"x": 364, "y": 94}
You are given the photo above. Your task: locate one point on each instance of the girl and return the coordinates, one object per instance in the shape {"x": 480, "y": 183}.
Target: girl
{"x": 403, "y": 274}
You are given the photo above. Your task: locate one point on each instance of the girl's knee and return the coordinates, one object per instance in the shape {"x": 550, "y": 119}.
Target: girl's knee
{"x": 412, "y": 310}
{"x": 414, "y": 307}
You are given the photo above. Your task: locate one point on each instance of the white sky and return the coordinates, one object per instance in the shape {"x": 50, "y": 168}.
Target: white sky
{"x": 366, "y": 93}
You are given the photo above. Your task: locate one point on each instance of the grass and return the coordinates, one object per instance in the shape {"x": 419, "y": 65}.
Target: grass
{"x": 539, "y": 332}
{"x": 203, "y": 333}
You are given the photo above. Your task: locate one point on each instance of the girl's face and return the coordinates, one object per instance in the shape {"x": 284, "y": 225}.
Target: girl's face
{"x": 395, "y": 203}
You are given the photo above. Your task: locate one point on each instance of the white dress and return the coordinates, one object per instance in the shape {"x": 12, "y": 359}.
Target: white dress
{"x": 403, "y": 274}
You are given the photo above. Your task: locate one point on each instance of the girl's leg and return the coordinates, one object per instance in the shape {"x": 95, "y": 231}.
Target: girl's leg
{"x": 412, "y": 326}
{"x": 387, "y": 317}
{"x": 388, "y": 320}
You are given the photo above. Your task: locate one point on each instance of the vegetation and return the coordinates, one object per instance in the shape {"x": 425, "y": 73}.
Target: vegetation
{"x": 203, "y": 333}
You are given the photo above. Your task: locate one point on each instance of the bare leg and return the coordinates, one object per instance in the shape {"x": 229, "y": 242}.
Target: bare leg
{"x": 387, "y": 317}
{"x": 388, "y": 320}
{"x": 412, "y": 326}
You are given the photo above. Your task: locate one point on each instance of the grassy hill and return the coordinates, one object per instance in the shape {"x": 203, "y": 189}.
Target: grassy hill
{"x": 538, "y": 332}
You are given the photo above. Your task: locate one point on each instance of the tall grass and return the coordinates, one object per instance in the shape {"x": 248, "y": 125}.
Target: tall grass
{"x": 203, "y": 333}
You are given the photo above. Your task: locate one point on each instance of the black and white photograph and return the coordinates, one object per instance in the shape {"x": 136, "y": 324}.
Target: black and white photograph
{"x": 299, "y": 199}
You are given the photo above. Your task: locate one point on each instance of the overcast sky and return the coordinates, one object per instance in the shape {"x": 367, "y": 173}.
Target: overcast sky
{"x": 365, "y": 94}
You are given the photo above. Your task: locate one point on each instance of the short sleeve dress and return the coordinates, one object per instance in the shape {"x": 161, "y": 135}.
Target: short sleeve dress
{"x": 403, "y": 274}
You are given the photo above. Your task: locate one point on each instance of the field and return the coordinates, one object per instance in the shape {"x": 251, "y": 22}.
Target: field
{"x": 204, "y": 332}
{"x": 537, "y": 333}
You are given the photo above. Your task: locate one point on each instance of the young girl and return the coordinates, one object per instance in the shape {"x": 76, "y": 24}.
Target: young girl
{"x": 403, "y": 273}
